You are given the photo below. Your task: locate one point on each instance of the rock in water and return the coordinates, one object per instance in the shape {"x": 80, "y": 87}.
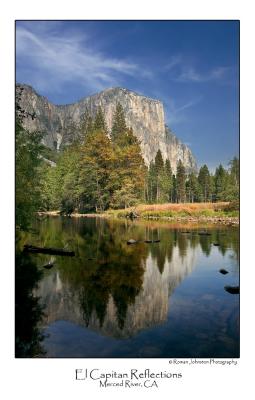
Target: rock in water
{"x": 48, "y": 266}
{"x": 144, "y": 115}
{"x": 223, "y": 271}
{"x": 132, "y": 215}
{"x": 131, "y": 241}
{"x": 232, "y": 289}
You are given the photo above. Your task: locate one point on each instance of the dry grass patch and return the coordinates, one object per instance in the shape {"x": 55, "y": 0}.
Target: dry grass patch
{"x": 182, "y": 207}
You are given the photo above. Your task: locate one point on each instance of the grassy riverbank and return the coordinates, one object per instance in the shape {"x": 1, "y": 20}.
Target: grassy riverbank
{"x": 224, "y": 212}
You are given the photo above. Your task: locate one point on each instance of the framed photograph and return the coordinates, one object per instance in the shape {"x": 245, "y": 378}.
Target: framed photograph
{"x": 127, "y": 189}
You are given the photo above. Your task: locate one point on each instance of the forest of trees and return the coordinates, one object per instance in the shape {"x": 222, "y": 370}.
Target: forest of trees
{"x": 163, "y": 186}
{"x": 103, "y": 170}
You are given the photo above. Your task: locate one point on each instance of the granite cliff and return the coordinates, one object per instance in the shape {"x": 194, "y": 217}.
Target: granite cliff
{"x": 143, "y": 114}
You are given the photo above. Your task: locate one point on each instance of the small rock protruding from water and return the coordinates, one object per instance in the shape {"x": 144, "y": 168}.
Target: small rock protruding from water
{"x": 49, "y": 265}
{"x": 131, "y": 241}
{"x": 232, "y": 289}
{"x": 132, "y": 215}
{"x": 223, "y": 271}
{"x": 216, "y": 244}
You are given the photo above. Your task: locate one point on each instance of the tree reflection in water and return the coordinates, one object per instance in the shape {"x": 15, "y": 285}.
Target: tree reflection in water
{"x": 28, "y": 310}
{"x": 109, "y": 286}
{"x": 117, "y": 272}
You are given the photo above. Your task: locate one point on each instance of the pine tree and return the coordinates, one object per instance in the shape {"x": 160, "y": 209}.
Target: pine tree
{"x": 174, "y": 190}
{"x": 205, "y": 183}
{"x": 99, "y": 122}
{"x": 96, "y": 166}
{"x": 119, "y": 124}
{"x": 192, "y": 188}
{"x": 230, "y": 185}
{"x": 169, "y": 177}
{"x": 159, "y": 170}
{"x": 63, "y": 179}
{"x": 180, "y": 183}
{"x": 151, "y": 183}
{"x": 220, "y": 183}
{"x": 129, "y": 172}
{"x": 233, "y": 187}
{"x": 235, "y": 171}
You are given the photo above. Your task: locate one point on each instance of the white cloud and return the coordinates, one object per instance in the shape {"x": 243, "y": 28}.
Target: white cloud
{"x": 191, "y": 75}
{"x": 50, "y": 60}
{"x": 173, "y": 62}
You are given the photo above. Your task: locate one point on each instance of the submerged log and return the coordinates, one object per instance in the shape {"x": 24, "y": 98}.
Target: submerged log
{"x": 48, "y": 250}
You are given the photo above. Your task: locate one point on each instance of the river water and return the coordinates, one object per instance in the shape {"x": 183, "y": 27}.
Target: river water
{"x": 162, "y": 299}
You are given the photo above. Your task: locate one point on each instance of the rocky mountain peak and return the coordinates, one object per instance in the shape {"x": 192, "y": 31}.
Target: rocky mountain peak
{"x": 143, "y": 114}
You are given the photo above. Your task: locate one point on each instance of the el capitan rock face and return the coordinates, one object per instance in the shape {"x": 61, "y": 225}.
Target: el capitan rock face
{"x": 144, "y": 115}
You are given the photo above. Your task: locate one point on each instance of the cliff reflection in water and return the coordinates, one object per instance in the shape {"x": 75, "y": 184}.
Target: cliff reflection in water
{"x": 114, "y": 288}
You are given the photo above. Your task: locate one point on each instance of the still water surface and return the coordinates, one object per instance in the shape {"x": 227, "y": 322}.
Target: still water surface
{"x": 163, "y": 299}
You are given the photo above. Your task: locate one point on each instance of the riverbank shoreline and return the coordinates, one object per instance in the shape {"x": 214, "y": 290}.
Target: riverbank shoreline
{"x": 222, "y": 220}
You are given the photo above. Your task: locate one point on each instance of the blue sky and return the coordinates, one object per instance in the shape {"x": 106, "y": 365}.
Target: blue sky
{"x": 191, "y": 66}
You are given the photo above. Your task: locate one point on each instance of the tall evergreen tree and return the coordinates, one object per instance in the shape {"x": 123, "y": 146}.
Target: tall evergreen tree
{"x": 129, "y": 172}
{"x": 232, "y": 193}
{"x": 205, "y": 182}
{"x": 96, "y": 166}
{"x": 192, "y": 188}
{"x": 235, "y": 171}
{"x": 220, "y": 183}
{"x": 99, "y": 122}
{"x": 180, "y": 182}
{"x": 119, "y": 124}
{"x": 169, "y": 178}
{"x": 230, "y": 185}
{"x": 151, "y": 183}
{"x": 159, "y": 170}
{"x": 64, "y": 177}
{"x": 174, "y": 189}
